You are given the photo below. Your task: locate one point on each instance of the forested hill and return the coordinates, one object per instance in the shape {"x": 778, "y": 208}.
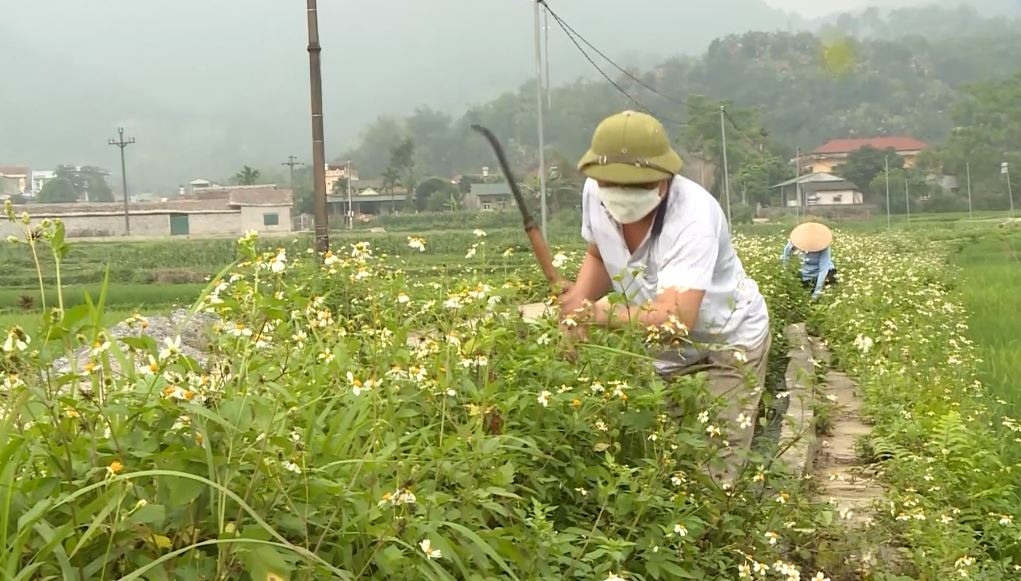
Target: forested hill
{"x": 901, "y": 75}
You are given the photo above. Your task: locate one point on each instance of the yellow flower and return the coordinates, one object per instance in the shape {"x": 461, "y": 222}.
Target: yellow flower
{"x": 115, "y": 467}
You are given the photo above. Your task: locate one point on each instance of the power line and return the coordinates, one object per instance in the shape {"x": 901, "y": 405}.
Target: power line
{"x": 572, "y": 33}
{"x": 571, "y": 36}
{"x": 627, "y": 73}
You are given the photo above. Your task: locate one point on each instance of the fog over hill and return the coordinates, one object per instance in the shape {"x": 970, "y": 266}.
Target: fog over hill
{"x": 208, "y": 85}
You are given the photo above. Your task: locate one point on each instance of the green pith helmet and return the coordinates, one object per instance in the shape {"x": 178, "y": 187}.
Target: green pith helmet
{"x": 630, "y": 148}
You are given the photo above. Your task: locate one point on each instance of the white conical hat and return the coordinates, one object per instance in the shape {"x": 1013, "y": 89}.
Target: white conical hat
{"x": 811, "y": 237}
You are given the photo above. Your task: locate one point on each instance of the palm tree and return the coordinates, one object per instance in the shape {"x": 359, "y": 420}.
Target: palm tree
{"x": 247, "y": 176}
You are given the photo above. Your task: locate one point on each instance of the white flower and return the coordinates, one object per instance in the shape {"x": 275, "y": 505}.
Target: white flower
{"x": 820, "y": 576}
{"x": 614, "y": 577}
{"x": 544, "y": 398}
{"x": 292, "y": 467}
{"x": 279, "y": 261}
{"x": 16, "y": 339}
{"x": 772, "y": 537}
{"x": 403, "y": 299}
{"x": 559, "y": 260}
{"x": 430, "y": 553}
{"x": 357, "y": 385}
{"x": 744, "y": 421}
{"x": 680, "y": 530}
{"x": 171, "y": 348}
{"x": 863, "y": 343}
{"x": 703, "y": 417}
{"x": 416, "y": 243}
{"x": 479, "y": 233}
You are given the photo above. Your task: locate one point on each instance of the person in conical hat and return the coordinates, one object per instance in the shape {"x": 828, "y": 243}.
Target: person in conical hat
{"x": 812, "y": 241}
{"x": 664, "y": 241}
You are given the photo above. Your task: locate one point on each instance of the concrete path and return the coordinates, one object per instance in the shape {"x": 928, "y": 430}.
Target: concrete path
{"x": 822, "y": 427}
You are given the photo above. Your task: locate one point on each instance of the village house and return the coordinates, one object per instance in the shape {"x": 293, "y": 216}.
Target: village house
{"x": 229, "y": 211}
{"x": 834, "y": 153}
{"x": 14, "y": 180}
{"x": 368, "y": 198}
{"x": 489, "y": 197}
{"x": 40, "y": 179}
{"x": 334, "y": 174}
{"x": 819, "y": 189}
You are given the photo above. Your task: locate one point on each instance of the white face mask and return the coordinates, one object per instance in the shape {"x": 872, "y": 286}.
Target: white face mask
{"x": 628, "y": 205}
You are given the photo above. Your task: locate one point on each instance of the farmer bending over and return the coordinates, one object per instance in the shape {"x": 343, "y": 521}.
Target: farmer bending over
{"x": 812, "y": 241}
{"x": 662, "y": 239}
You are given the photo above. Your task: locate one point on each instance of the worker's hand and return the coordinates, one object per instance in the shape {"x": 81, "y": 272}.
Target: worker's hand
{"x": 569, "y": 302}
{"x": 574, "y": 332}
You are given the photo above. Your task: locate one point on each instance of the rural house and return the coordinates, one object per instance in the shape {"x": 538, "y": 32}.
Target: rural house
{"x": 213, "y": 212}
{"x": 14, "y": 180}
{"x": 367, "y": 198}
{"x": 489, "y": 197}
{"x": 834, "y": 152}
{"x": 832, "y": 193}
{"x": 819, "y": 189}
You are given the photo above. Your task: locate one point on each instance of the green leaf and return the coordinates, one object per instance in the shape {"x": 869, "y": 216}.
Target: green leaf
{"x": 181, "y": 492}
{"x": 504, "y": 475}
{"x": 265, "y": 563}
{"x": 150, "y": 514}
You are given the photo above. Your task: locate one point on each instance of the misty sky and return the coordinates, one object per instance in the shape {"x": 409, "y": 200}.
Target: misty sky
{"x": 208, "y": 85}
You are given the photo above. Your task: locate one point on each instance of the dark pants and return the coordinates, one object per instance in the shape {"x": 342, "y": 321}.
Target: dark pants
{"x": 831, "y": 278}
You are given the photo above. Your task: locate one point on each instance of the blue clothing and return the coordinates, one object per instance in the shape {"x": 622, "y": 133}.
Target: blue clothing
{"x": 814, "y": 265}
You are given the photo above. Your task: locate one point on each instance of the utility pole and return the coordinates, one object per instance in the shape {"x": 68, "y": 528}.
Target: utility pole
{"x": 539, "y": 107}
{"x": 797, "y": 183}
{"x": 967, "y": 165}
{"x": 350, "y": 208}
{"x": 907, "y": 198}
{"x": 726, "y": 168}
{"x": 1005, "y": 169}
{"x": 291, "y": 162}
{"x": 887, "y": 158}
{"x": 545, "y": 54}
{"x": 318, "y": 151}
{"x": 121, "y": 143}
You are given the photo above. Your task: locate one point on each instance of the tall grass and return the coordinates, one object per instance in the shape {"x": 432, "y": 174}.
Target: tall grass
{"x": 991, "y": 277}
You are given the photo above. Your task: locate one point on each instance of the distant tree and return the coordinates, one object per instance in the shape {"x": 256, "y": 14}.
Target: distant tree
{"x": 88, "y": 182}
{"x": 904, "y": 184}
{"x": 247, "y": 176}
{"x": 339, "y": 187}
{"x": 865, "y": 164}
{"x": 58, "y": 191}
{"x": 97, "y": 188}
{"x": 401, "y": 170}
{"x": 438, "y": 194}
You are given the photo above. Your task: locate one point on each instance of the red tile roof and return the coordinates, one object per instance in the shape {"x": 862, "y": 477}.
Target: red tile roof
{"x": 898, "y": 143}
{"x": 14, "y": 170}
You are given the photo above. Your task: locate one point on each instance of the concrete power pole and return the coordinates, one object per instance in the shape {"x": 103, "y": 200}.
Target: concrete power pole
{"x": 726, "y": 168}
{"x": 291, "y": 163}
{"x": 539, "y": 107}
{"x": 122, "y": 143}
{"x": 318, "y": 149}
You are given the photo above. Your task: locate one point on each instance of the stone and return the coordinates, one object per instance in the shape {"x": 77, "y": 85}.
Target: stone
{"x": 192, "y": 330}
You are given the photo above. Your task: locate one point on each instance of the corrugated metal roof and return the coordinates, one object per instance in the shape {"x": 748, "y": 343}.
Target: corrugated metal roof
{"x": 809, "y": 178}
{"x": 840, "y": 186}
{"x": 497, "y": 189}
